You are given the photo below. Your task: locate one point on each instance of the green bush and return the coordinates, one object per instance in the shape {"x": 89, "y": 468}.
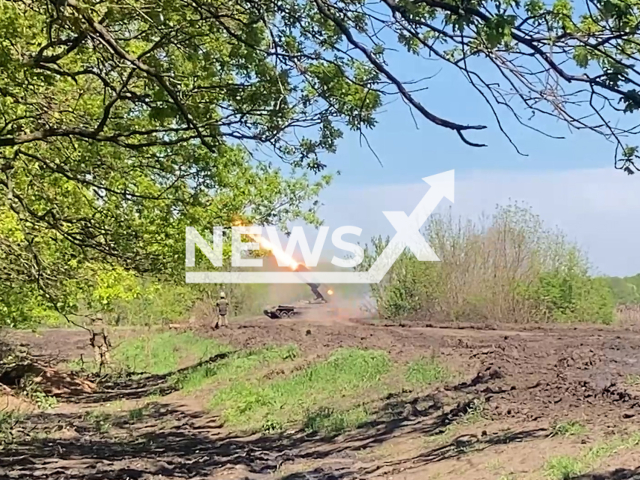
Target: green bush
{"x": 569, "y": 294}
{"x": 625, "y": 290}
{"x": 409, "y": 287}
{"x": 122, "y": 299}
{"x": 507, "y": 267}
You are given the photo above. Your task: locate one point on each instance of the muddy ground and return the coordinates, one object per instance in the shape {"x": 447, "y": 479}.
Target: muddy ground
{"x": 527, "y": 380}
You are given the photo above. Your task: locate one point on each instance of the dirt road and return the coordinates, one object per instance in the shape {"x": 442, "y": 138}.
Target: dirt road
{"x": 527, "y": 380}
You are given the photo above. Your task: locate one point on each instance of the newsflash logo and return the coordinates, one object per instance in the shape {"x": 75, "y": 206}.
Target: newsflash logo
{"x": 407, "y": 235}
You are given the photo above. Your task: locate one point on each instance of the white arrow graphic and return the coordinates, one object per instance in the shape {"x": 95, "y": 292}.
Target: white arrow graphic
{"x": 408, "y": 229}
{"x": 407, "y": 235}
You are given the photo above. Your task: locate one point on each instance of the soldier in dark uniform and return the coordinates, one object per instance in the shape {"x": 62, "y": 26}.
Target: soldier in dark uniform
{"x": 223, "y": 309}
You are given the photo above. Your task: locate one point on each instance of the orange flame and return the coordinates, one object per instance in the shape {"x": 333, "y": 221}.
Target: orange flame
{"x": 277, "y": 252}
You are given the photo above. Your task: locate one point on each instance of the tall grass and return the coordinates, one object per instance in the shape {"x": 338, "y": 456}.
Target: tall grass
{"x": 503, "y": 267}
{"x": 309, "y": 396}
{"x": 164, "y": 352}
{"x": 628, "y": 313}
{"x": 235, "y": 367}
{"x": 426, "y": 371}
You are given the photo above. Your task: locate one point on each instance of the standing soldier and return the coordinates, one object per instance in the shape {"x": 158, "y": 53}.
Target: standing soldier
{"x": 100, "y": 343}
{"x": 223, "y": 308}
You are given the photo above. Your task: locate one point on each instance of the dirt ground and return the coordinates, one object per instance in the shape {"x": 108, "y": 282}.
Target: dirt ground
{"x": 528, "y": 379}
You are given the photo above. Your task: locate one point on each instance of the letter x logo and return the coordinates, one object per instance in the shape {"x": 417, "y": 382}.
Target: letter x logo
{"x": 408, "y": 227}
{"x": 408, "y": 235}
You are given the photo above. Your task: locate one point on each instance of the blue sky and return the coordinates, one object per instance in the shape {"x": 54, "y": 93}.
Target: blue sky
{"x": 570, "y": 183}
{"x": 406, "y": 151}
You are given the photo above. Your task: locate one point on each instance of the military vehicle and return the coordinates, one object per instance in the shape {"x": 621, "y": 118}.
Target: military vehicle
{"x": 280, "y": 311}
{"x": 286, "y": 311}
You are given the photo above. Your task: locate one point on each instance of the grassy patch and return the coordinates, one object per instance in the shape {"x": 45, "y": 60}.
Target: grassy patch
{"x": 164, "y": 352}
{"x": 153, "y": 398}
{"x": 610, "y": 447}
{"x": 286, "y": 401}
{"x": 136, "y": 414}
{"x": 157, "y": 353}
{"x": 563, "y": 467}
{"x": 495, "y": 466}
{"x": 566, "y": 467}
{"x": 567, "y": 429}
{"x": 235, "y": 366}
{"x": 476, "y": 413}
{"x": 30, "y": 389}
{"x": 426, "y": 371}
{"x": 632, "y": 380}
{"x": 8, "y": 421}
{"x": 99, "y": 420}
{"x": 333, "y": 421}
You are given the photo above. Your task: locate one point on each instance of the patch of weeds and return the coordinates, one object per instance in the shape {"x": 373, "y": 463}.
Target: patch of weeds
{"x": 31, "y": 390}
{"x": 610, "y": 447}
{"x": 235, "y": 366}
{"x": 426, "y": 371}
{"x": 567, "y": 429}
{"x": 331, "y": 421}
{"x": 87, "y": 366}
{"x": 136, "y": 414}
{"x": 344, "y": 375}
{"x": 78, "y": 365}
{"x": 152, "y": 398}
{"x": 289, "y": 352}
{"x": 161, "y": 353}
{"x": 632, "y": 380}
{"x": 9, "y": 419}
{"x": 43, "y": 401}
{"x": 563, "y": 467}
{"x": 100, "y": 421}
{"x": 272, "y": 425}
{"x": 508, "y": 476}
{"x": 476, "y": 412}
{"x": 494, "y": 465}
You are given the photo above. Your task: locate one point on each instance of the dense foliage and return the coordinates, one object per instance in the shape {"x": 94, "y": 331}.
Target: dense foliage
{"x": 507, "y": 268}
{"x": 121, "y": 123}
{"x": 625, "y": 289}
{"x": 105, "y": 161}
